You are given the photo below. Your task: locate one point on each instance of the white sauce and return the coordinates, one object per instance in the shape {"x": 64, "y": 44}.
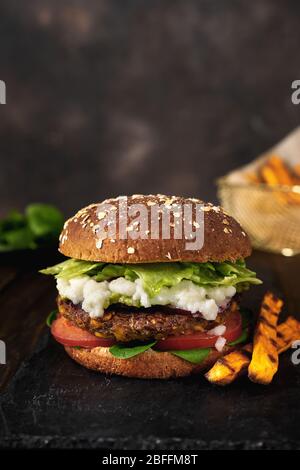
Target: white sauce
{"x": 94, "y": 296}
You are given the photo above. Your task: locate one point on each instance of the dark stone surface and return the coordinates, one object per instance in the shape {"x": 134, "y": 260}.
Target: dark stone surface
{"x": 52, "y": 402}
{"x": 115, "y": 97}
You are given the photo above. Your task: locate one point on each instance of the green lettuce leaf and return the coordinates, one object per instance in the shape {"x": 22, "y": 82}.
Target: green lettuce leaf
{"x": 73, "y": 268}
{"x": 157, "y": 275}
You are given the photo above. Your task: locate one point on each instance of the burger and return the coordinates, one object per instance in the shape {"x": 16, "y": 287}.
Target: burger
{"x": 151, "y": 297}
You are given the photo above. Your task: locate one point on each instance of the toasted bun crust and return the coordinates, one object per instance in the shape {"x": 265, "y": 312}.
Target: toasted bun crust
{"x": 224, "y": 238}
{"x": 148, "y": 365}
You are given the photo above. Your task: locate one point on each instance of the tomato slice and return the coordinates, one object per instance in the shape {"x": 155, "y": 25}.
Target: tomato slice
{"x": 69, "y": 335}
{"x": 203, "y": 340}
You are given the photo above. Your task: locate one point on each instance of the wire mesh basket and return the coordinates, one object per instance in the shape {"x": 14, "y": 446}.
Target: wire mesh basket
{"x": 269, "y": 214}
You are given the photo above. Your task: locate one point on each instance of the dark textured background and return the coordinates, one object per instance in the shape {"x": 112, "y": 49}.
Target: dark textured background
{"x": 117, "y": 96}
{"x": 112, "y": 97}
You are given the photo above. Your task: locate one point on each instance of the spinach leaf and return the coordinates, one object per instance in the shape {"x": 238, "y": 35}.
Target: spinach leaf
{"x": 125, "y": 351}
{"x": 241, "y": 339}
{"x": 18, "y": 239}
{"x": 247, "y": 316}
{"x": 195, "y": 356}
{"x": 247, "y": 319}
{"x": 44, "y": 220}
{"x": 41, "y": 224}
{"x": 51, "y": 317}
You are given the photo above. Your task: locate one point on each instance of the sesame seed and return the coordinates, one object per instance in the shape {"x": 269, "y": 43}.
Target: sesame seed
{"x": 130, "y": 250}
{"x": 168, "y": 255}
{"x": 225, "y": 221}
{"x": 168, "y": 202}
{"x": 226, "y": 230}
{"x": 243, "y": 233}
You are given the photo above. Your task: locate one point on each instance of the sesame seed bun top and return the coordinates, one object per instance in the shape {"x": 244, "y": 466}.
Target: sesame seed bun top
{"x": 224, "y": 239}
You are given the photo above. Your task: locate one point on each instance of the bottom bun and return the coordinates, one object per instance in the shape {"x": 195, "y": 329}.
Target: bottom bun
{"x": 148, "y": 365}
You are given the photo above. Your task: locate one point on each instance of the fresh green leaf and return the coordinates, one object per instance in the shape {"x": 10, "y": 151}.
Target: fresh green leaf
{"x": 241, "y": 339}
{"x": 41, "y": 224}
{"x": 109, "y": 271}
{"x": 44, "y": 220}
{"x": 247, "y": 316}
{"x": 247, "y": 319}
{"x": 18, "y": 239}
{"x": 13, "y": 220}
{"x": 195, "y": 356}
{"x": 126, "y": 351}
{"x": 73, "y": 268}
{"x": 155, "y": 276}
{"x": 51, "y": 317}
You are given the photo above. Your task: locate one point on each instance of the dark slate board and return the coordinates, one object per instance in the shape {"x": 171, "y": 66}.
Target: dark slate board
{"x": 53, "y": 402}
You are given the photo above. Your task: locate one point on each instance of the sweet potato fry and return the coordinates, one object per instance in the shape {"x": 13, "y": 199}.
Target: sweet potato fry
{"x": 264, "y": 363}
{"x": 287, "y": 332}
{"x": 297, "y": 170}
{"x": 236, "y": 363}
{"x": 276, "y": 171}
{"x": 269, "y": 176}
{"x": 253, "y": 178}
{"x": 281, "y": 170}
{"x": 231, "y": 366}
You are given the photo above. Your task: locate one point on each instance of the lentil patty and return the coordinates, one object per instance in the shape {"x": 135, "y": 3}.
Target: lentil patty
{"x": 130, "y": 324}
